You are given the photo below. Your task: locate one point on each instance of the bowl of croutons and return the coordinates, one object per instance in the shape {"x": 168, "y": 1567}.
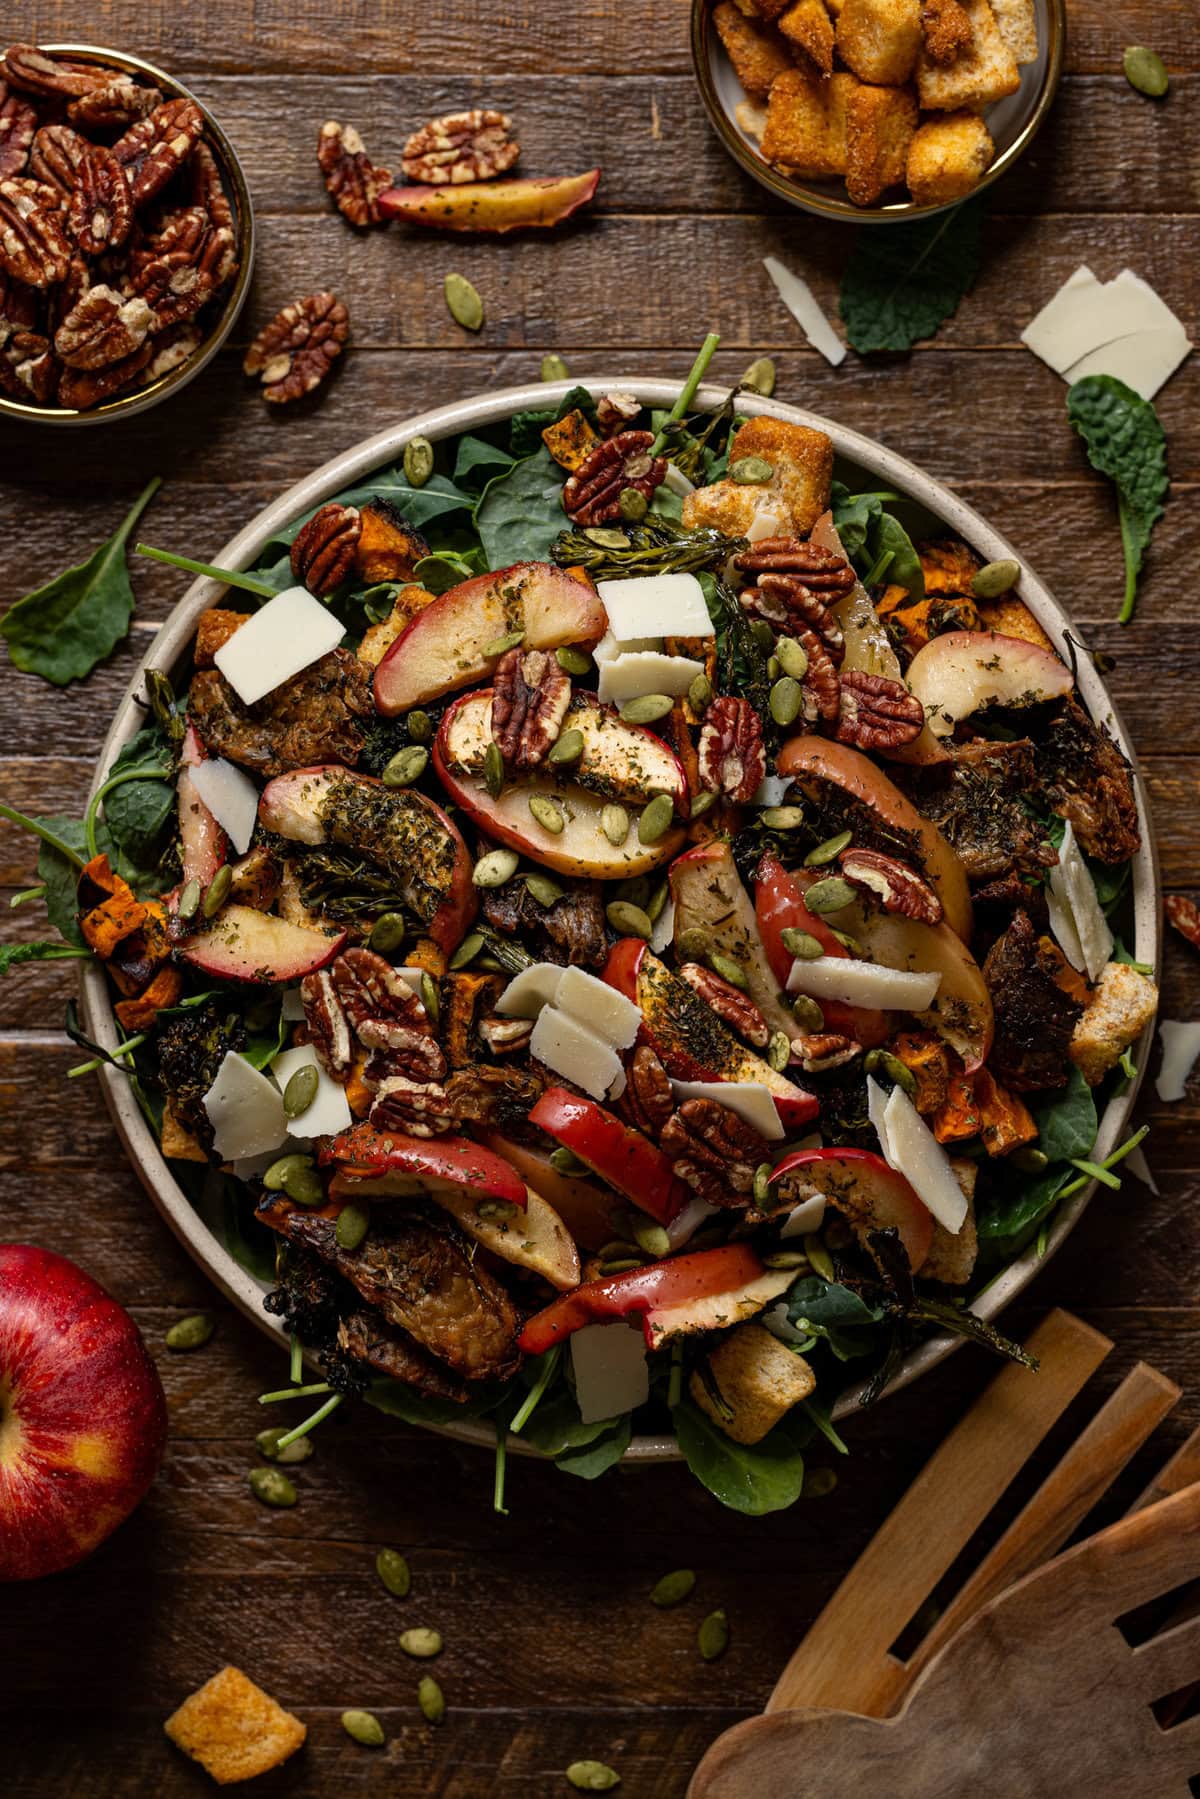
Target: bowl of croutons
{"x": 877, "y": 109}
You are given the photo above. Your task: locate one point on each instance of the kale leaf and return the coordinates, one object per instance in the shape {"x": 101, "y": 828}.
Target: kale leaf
{"x": 902, "y": 283}
{"x": 1125, "y": 440}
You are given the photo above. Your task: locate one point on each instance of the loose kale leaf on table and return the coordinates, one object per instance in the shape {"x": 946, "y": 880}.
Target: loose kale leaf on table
{"x": 1125, "y": 441}
{"x": 904, "y": 281}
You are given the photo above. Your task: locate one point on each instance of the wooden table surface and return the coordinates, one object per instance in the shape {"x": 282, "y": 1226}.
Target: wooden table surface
{"x": 553, "y": 1651}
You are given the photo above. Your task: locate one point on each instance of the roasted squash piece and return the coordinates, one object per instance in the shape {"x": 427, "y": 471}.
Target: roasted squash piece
{"x": 958, "y": 1118}
{"x": 117, "y": 912}
{"x": 928, "y": 1061}
{"x": 1012, "y": 618}
{"x": 389, "y": 548}
{"x": 139, "y": 1014}
{"x": 947, "y": 565}
{"x": 570, "y": 440}
{"x": 1005, "y": 1121}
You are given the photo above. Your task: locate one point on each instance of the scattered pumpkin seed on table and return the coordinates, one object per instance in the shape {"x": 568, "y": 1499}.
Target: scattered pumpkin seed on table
{"x": 272, "y": 1487}
{"x": 759, "y": 377}
{"x": 364, "y": 1727}
{"x": 554, "y": 368}
{"x": 818, "y": 1482}
{"x": 267, "y": 1442}
{"x": 593, "y": 1777}
{"x": 463, "y": 302}
{"x": 393, "y": 1571}
{"x": 431, "y": 1699}
{"x": 420, "y": 1643}
{"x": 190, "y": 1333}
{"x": 673, "y": 1588}
{"x": 713, "y": 1636}
{"x": 1146, "y": 71}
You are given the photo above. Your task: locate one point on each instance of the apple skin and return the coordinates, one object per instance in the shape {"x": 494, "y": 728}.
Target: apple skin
{"x": 83, "y": 1418}
{"x": 244, "y": 945}
{"x": 367, "y": 1154}
{"x": 202, "y": 841}
{"x": 869, "y": 1195}
{"x": 779, "y": 906}
{"x": 492, "y": 207}
{"x": 957, "y": 673}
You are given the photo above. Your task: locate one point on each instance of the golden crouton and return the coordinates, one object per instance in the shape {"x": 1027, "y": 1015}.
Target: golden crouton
{"x": 880, "y": 122}
{"x": 880, "y": 39}
{"x": 213, "y": 629}
{"x": 947, "y": 30}
{"x": 1012, "y": 618}
{"x": 758, "y": 1379}
{"x": 806, "y": 123}
{"x": 1123, "y": 1004}
{"x": 807, "y": 25}
{"x": 754, "y": 50}
{"x": 751, "y": 118}
{"x": 985, "y": 71}
{"x": 233, "y": 1729}
{"x": 952, "y": 1254}
{"x": 176, "y": 1141}
{"x": 766, "y": 9}
{"x": 948, "y": 157}
{"x": 802, "y": 464}
{"x": 1017, "y": 21}
{"x": 378, "y": 639}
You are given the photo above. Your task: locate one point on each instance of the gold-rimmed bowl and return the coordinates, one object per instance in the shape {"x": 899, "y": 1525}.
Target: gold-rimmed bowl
{"x": 140, "y": 399}
{"x": 1013, "y": 123}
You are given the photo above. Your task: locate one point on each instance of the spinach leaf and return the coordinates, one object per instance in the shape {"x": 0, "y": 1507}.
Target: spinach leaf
{"x": 12, "y": 954}
{"x": 525, "y": 431}
{"x": 1067, "y": 1121}
{"x": 399, "y": 1401}
{"x": 445, "y": 569}
{"x": 902, "y": 283}
{"x": 1125, "y": 441}
{"x": 869, "y": 533}
{"x": 556, "y": 1427}
{"x": 476, "y": 457}
{"x": 520, "y": 513}
{"x": 420, "y": 505}
{"x": 60, "y": 875}
{"x": 822, "y": 1308}
{"x": 890, "y": 539}
{"x": 593, "y": 1458}
{"x": 751, "y": 1478}
{"x": 62, "y": 630}
{"x": 266, "y": 1032}
{"x": 137, "y": 810}
{"x": 1007, "y": 1221}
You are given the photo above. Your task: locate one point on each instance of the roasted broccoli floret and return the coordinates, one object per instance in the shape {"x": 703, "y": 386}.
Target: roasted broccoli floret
{"x": 191, "y": 1048}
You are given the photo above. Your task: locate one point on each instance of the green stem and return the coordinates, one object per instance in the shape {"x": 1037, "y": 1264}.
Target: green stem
{"x": 311, "y": 1422}
{"x": 123, "y": 1049}
{"x": 316, "y": 1386}
{"x": 296, "y": 1372}
{"x": 144, "y": 771}
{"x": 29, "y": 893}
{"x": 1131, "y": 563}
{"x": 498, "y": 1504}
{"x": 43, "y": 831}
{"x": 880, "y": 569}
{"x": 533, "y": 1397}
{"x": 1096, "y": 1171}
{"x": 688, "y": 394}
{"x": 231, "y": 577}
{"x": 1118, "y": 1155}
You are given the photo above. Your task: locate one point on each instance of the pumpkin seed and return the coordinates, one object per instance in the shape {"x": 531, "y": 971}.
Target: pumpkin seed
{"x": 554, "y": 368}
{"x": 430, "y": 1697}
{"x": 729, "y": 970}
{"x": 421, "y": 1644}
{"x": 406, "y": 766}
{"x": 713, "y": 1636}
{"x": 879, "y": 1061}
{"x": 759, "y": 377}
{"x": 268, "y": 1445}
{"x": 779, "y": 1051}
{"x": 593, "y": 1777}
{"x": 655, "y": 902}
{"x": 190, "y": 1333}
{"x": 763, "y": 635}
{"x": 301, "y": 1090}
{"x": 463, "y": 301}
{"x": 276, "y": 1174}
{"x": 494, "y": 869}
{"x": 500, "y": 646}
{"x": 636, "y": 890}
{"x": 544, "y": 890}
{"x": 751, "y": 471}
{"x": 850, "y": 944}
{"x": 614, "y": 1251}
{"x": 621, "y": 1266}
{"x": 785, "y": 1258}
{"x": 420, "y": 726}
{"x": 774, "y": 668}
{"x": 818, "y": 1483}
{"x": 782, "y": 818}
{"x": 393, "y": 1571}
{"x": 628, "y": 920}
{"x": 430, "y": 998}
{"x": 656, "y": 819}
{"x": 547, "y": 814}
{"x": 605, "y": 539}
{"x": 272, "y": 1487}
{"x": 566, "y": 1163}
{"x": 701, "y": 803}
{"x": 633, "y": 504}
{"x": 493, "y": 770}
{"x": 571, "y": 660}
{"x": 761, "y": 1187}
{"x": 828, "y": 851}
{"x": 829, "y": 895}
{"x": 995, "y": 578}
{"x": 800, "y": 943}
{"x": 651, "y": 1238}
{"x": 785, "y": 700}
{"x": 693, "y": 944}
{"x": 614, "y": 822}
{"x": 303, "y": 1185}
{"x": 353, "y": 1223}
{"x": 189, "y": 899}
{"x": 1146, "y": 71}
{"x": 1029, "y": 1160}
{"x": 418, "y": 461}
{"x": 818, "y": 1256}
{"x": 793, "y": 657}
{"x": 673, "y": 1588}
{"x": 387, "y": 933}
{"x": 364, "y": 1727}
{"x": 700, "y": 693}
{"x": 567, "y": 750}
{"x": 646, "y": 708}
{"x": 218, "y": 891}
{"x": 807, "y": 1013}
{"x": 466, "y": 952}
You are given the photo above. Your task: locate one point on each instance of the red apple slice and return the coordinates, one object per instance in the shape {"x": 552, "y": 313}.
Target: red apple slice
{"x": 954, "y": 675}
{"x": 586, "y": 1208}
{"x": 244, "y": 945}
{"x": 623, "y": 1157}
{"x": 413, "y": 1164}
{"x": 492, "y": 207}
{"x": 779, "y": 906}
{"x": 402, "y": 830}
{"x": 444, "y": 647}
{"x": 961, "y": 1013}
{"x": 202, "y": 841}
{"x": 709, "y": 896}
{"x": 620, "y": 761}
{"x": 869, "y": 1195}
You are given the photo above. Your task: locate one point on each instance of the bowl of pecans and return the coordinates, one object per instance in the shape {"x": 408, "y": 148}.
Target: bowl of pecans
{"x": 126, "y": 234}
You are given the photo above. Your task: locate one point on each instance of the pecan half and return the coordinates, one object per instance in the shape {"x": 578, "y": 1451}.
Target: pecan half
{"x": 733, "y": 761}
{"x": 592, "y": 494}
{"x": 877, "y": 713}
{"x": 896, "y": 887}
{"x": 18, "y": 123}
{"x": 181, "y": 269}
{"x": 1184, "y": 914}
{"x": 615, "y": 412}
{"x": 294, "y": 353}
{"x": 34, "y": 72}
{"x": 385, "y": 1015}
{"x": 29, "y": 369}
{"x": 647, "y": 1101}
{"x": 530, "y": 696}
{"x": 729, "y": 1003}
{"x": 713, "y": 1151}
{"x": 33, "y": 245}
{"x": 460, "y": 146}
{"x": 823, "y": 1050}
{"x": 172, "y": 350}
{"x": 328, "y": 1026}
{"x": 19, "y": 305}
{"x": 785, "y": 602}
{"x": 104, "y": 328}
{"x": 207, "y": 188}
{"x": 353, "y": 181}
{"x": 420, "y": 1108}
{"x": 820, "y": 687}
{"x": 114, "y": 104}
{"x": 156, "y": 148}
{"x": 821, "y": 570}
{"x": 84, "y": 388}
{"x": 100, "y": 210}
{"x": 323, "y": 549}
{"x": 796, "y": 586}
{"x": 505, "y": 1036}
{"x": 54, "y": 157}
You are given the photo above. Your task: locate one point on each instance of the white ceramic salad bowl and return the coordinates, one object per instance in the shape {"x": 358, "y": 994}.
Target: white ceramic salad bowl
{"x": 858, "y": 454}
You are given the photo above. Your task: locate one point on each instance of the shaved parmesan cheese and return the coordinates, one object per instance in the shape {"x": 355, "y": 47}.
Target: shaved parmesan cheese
{"x": 767, "y": 523}
{"x": 913, "y": 1151}
{"x": 1180, "y": 1047}
{"x": 573, "y": 1051}
{"x": 771, "y": 790}
{"x": 1119, "y": 327}
{"x": 245, "y": 1110}
{"x": 676, "y": 482}
{"x": 663, "y": 932}
{"x": 749, "y": 1099}
{"x": 658, "y": 605}
{"x": 685, "y": 1224}
{"x": 1139, "y": 1168}
{"x": 776, "y": 1320}
{"x": 610, "y": 1369}
{"x": 289, "y": 632}
{"x": 292, "y": 1006}
{"x": 805, "y": 1218}
{"x": 876, "y": 1108}
{"x": 330, "y": 1111}
{"x": 854, "y": 983}
{"x": 413, "y": 977}
{"x": 598, "y": 1006}
{"x": 611, "y": 646}
{"x": 1073, "y": 888}
{"x": 230, "y": 796}
{"x": 629, "y": 676}
{"x": 527, "y": 992}
{"x": 798, "y": 297}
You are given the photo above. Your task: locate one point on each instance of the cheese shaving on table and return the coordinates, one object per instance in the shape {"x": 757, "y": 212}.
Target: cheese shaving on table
{"x": 798, "y": 297}
{"x": 1120, "y": 327}
{"x": 1180, "y": 1048}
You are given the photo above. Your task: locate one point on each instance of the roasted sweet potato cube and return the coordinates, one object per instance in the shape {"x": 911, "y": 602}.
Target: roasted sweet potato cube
{"x": 1017, "y": 24}
{"x": 176, "y": 1141}
{"x": 752, "y": 47}
{"x": 880, "y": 39}
{"x": 359, "y": 1097}
{"x": 807, "y": 25}
{"x": 214, "y": 628}
{"x": 1005, "y": 1122}
{"x": 928, "y": 1061}
{"x": 1012, "y": 618}
{"x": 378, "y": 639}
{"x": 138, "y": 1014}
{"x": 464, "y": 996}
{"x": 948, "y": 158}
{"x": 958, "y": 1118}
{"x": 806, "y": 123}
{"x": 908, "y": 626}
{"x": 984, "y": 72}
{"x": 571, "y": 440}
{"x": 388, "y": 546}
{"x": 880, "y": 123}
{"x": 947, "y": 565}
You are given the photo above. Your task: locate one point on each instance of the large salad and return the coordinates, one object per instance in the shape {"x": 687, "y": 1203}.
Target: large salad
{"x": 619, "y": 931}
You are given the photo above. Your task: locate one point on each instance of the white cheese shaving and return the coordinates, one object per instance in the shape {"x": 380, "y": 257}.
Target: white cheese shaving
{"x": 292, "y": 1005}
{"x": 1072, "y": 887}
{"x": 330, "y": 1110}
{"x": 876, "y": 1110}
{"x": 230, "y": 796}
{"x": 656, "y": 605}
{"x": 527, "y": 992}
{"x": 749, "y": 1099}
{"x": 1139, "y": 1168}
{"x": 676, "y": 482}
{"x": 291, "y": 631}
{"x": 805, "y": 1218}
{"x": 663, "y": 932}
{"x": 629, "y": 676}
{"x": 610, "y": 1369}
{"x": 573, "y": 1051}
{"x": 767, "y": 523}
{"x": 1120, "y": 327}
{"x": 611, "y": 646}
{"x": 687, "y": 1222}
{"x": 771, "y": 791}
{"x": 853, "y": 983}
{"x": 412, "y": 976}
{"x": 800, "y": 301}
{"x": 245, "y": 1110}
{"x": 913, "y": 1151}
{"x": 599, "y": 1007}
{"x": 1180, "y": 1048}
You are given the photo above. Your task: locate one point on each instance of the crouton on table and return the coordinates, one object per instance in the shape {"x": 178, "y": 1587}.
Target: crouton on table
{"x": 233, "y": 1729}
{"x": 806, "y": 123}
{"x": 1122, "y": 1006}
{"x": 948, "y": 157}
{"x": 754, "y": 50}
{"x": 982, "y": 73}
{"x": 807, "y": 25}
{"x": 798, "y": 491}
{"x": 880, "y": 122}
{"x": 880, "y": 39}
{"x": 758, "y": 1379}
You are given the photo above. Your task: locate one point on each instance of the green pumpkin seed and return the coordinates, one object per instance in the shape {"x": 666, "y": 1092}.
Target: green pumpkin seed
{"x": 655, "y": 902}
{"x": 493, "y": 770}
{"x": 828, "y": 851}
{"x": 879, "y": 1061}
{"x": 554, "y": 368}
{"x": 785, "y": 700}
{"x": 547, "y": 814}
{"x": 466, "y": 952}
{"x": 420, "y": 726}
{"x": 353, "y": 1223}
{"x": 651, "y": 1238}
{"x": 702, "y": 803}
{"x": 782, "y": 818}
{"x": 272, "y": 1487}
{"x": 190, "y": 1333}
{"x": 636, "y": 890}
{"x": 779, "y": 1051}
{"x": 364, "y": 1727}
{"x": 268, "y": 1445}
{"x": 818, "y": 1256}
{"x": 829, "y": 895}
{"x": 763, "y": 635}
{"x": 785, "y": 1258}
{"x": 793, "y": 657}
{"x": 593, "y": 1777}
{"x": 571, "y": 660}
{"x": 430, "y": 1697}
{"x": 729, "y": 970}
{"x": 430, "y": 997}
{"x": 387, "y": 933}
{"x": 567, "y": 750}
{"x": 418, "y": 461}
{"x": 656, "y": 819}
{"x": 800, "y": 943}
{"x": 761, "y": 1187}
{"x": 633, "y": 505}
{"x": 189, "y": 899}
{"x": 301, "y": 1090}
{"x": 818, "y": 1483}
{"x": 463, "y": 302}
{"x": 421, "y": 1644}
{"x": 628, "y": 920}
{"x": 850, "y": 944}
{"x": 693, "y": 944}
{"x": 494, "y": 869}
{"x": 605, "y": 539}
{"x": 614, "y": 822}
{"x": 278, "y": 1172}
{"x": 613, "y": 1252}
{"x": 774, "y": 668}
{"x": 751, "y": 471}
{"x": 545, "y": 891}
{"x": 807, "y": 1013}
{"x": 700, "y": 693}
{"x": 647, "y": 708}
{"x": 713, "y": 1636}
{"x": 1029, "y": 1160}
{"x": 565, "y": 1163}
{"x": 995, "y": 578}
{"x": 759, "y": 377}
{"x": 1146, "y": 71}
{"x": 218, "y": 891}
{"x": 406, "y": 766}
{"x": 394, "y": 1572}
{"x": 500, "y": 646}
{"x": 621, "y": 1266}
{"x": 673, "y": 1588}
{"x": 303, "y": 1185}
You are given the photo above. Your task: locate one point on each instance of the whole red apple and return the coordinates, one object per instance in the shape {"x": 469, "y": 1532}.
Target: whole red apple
{"x": 83, "y": 1417}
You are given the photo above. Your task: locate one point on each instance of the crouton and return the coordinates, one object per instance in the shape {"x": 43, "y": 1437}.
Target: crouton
{"x": 947, "y": 30}
{"x": 751, "y": 118}
{"x": 806, "y": 123}
{"x": 233, "y": 1729}
{"x": 214, "y": 628}
{"x": 948, "y": 158}
{"x": 982, "y": 73}
{"x": 758, "y": 1379}
{"x": 755, "y": 52}
{"x": 1122, "y": 1006}
{"x": 1017, "y": 24}
{"x": 807, "y": 25}
{"x": 571, "y": 440}
{"x": 880, "y": 39}
{"x": 1012, "y": 618}
{"x": 377, "y": 640}
{"x": 1005, "y": 1122}
{"x": 880, "y": 122}
{"x": 767, "y": 9}
{"x": 388, "y": 547}
{"x": 802, "y": 461}
{"x": 947, "y": 565}
{"x": 952, "y": 1254}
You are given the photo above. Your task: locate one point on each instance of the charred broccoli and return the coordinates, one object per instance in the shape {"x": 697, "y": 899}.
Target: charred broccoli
{"x": 191, "y": 1048}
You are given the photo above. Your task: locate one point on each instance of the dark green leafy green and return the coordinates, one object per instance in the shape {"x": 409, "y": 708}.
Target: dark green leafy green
{"x": 399, "y": 1401}
{"x": 520, "y": 513}
{"x": 751, "y": 1478}
{"x": 439, "y": 572}
{"x": 1011, "y": 1212}
{"x": 1067, "y": 1120}
{"x": 139, "y": 799}
{"x": 266, "y": 1032}
{"x": 479, "y": 461}
{"x": 419, "y": 505}
{"x": 1125, "y": 440}
{"x": 58, "y": 870}
{"x": 741, "y": 660}
{"x": 556, "y": 1427}
{"x": 903, "y": 283}
{"x": 13, "y": 954}
{"x": 870, "y": 535}
{"x": 592, "y": 1459}
{"x": 525, "y": 431}
{"x": 826, "y": 1309}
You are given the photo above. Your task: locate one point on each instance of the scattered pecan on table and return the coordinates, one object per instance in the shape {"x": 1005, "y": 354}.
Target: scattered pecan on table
{"x": 592, "y": 494}
{"x": 293, "y": 354}
{"x": 352, "y": 179}
{"x": 530, "y": 696}
{"x": 460, "y": 146}
{"x": 1184, "y": 914}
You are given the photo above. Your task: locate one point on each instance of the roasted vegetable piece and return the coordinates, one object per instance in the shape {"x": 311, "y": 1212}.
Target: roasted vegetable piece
{"x": 444, "y": 1161}
{"x": 647, "y": 1293}
{"x": 388, "y": 546}
{"x": 491, "y": 207}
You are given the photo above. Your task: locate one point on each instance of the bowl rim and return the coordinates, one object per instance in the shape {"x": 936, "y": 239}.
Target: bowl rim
{"x": 810, "y": 198}
{"x": 126, "y": 405}
{"x": 348, "y": 466}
